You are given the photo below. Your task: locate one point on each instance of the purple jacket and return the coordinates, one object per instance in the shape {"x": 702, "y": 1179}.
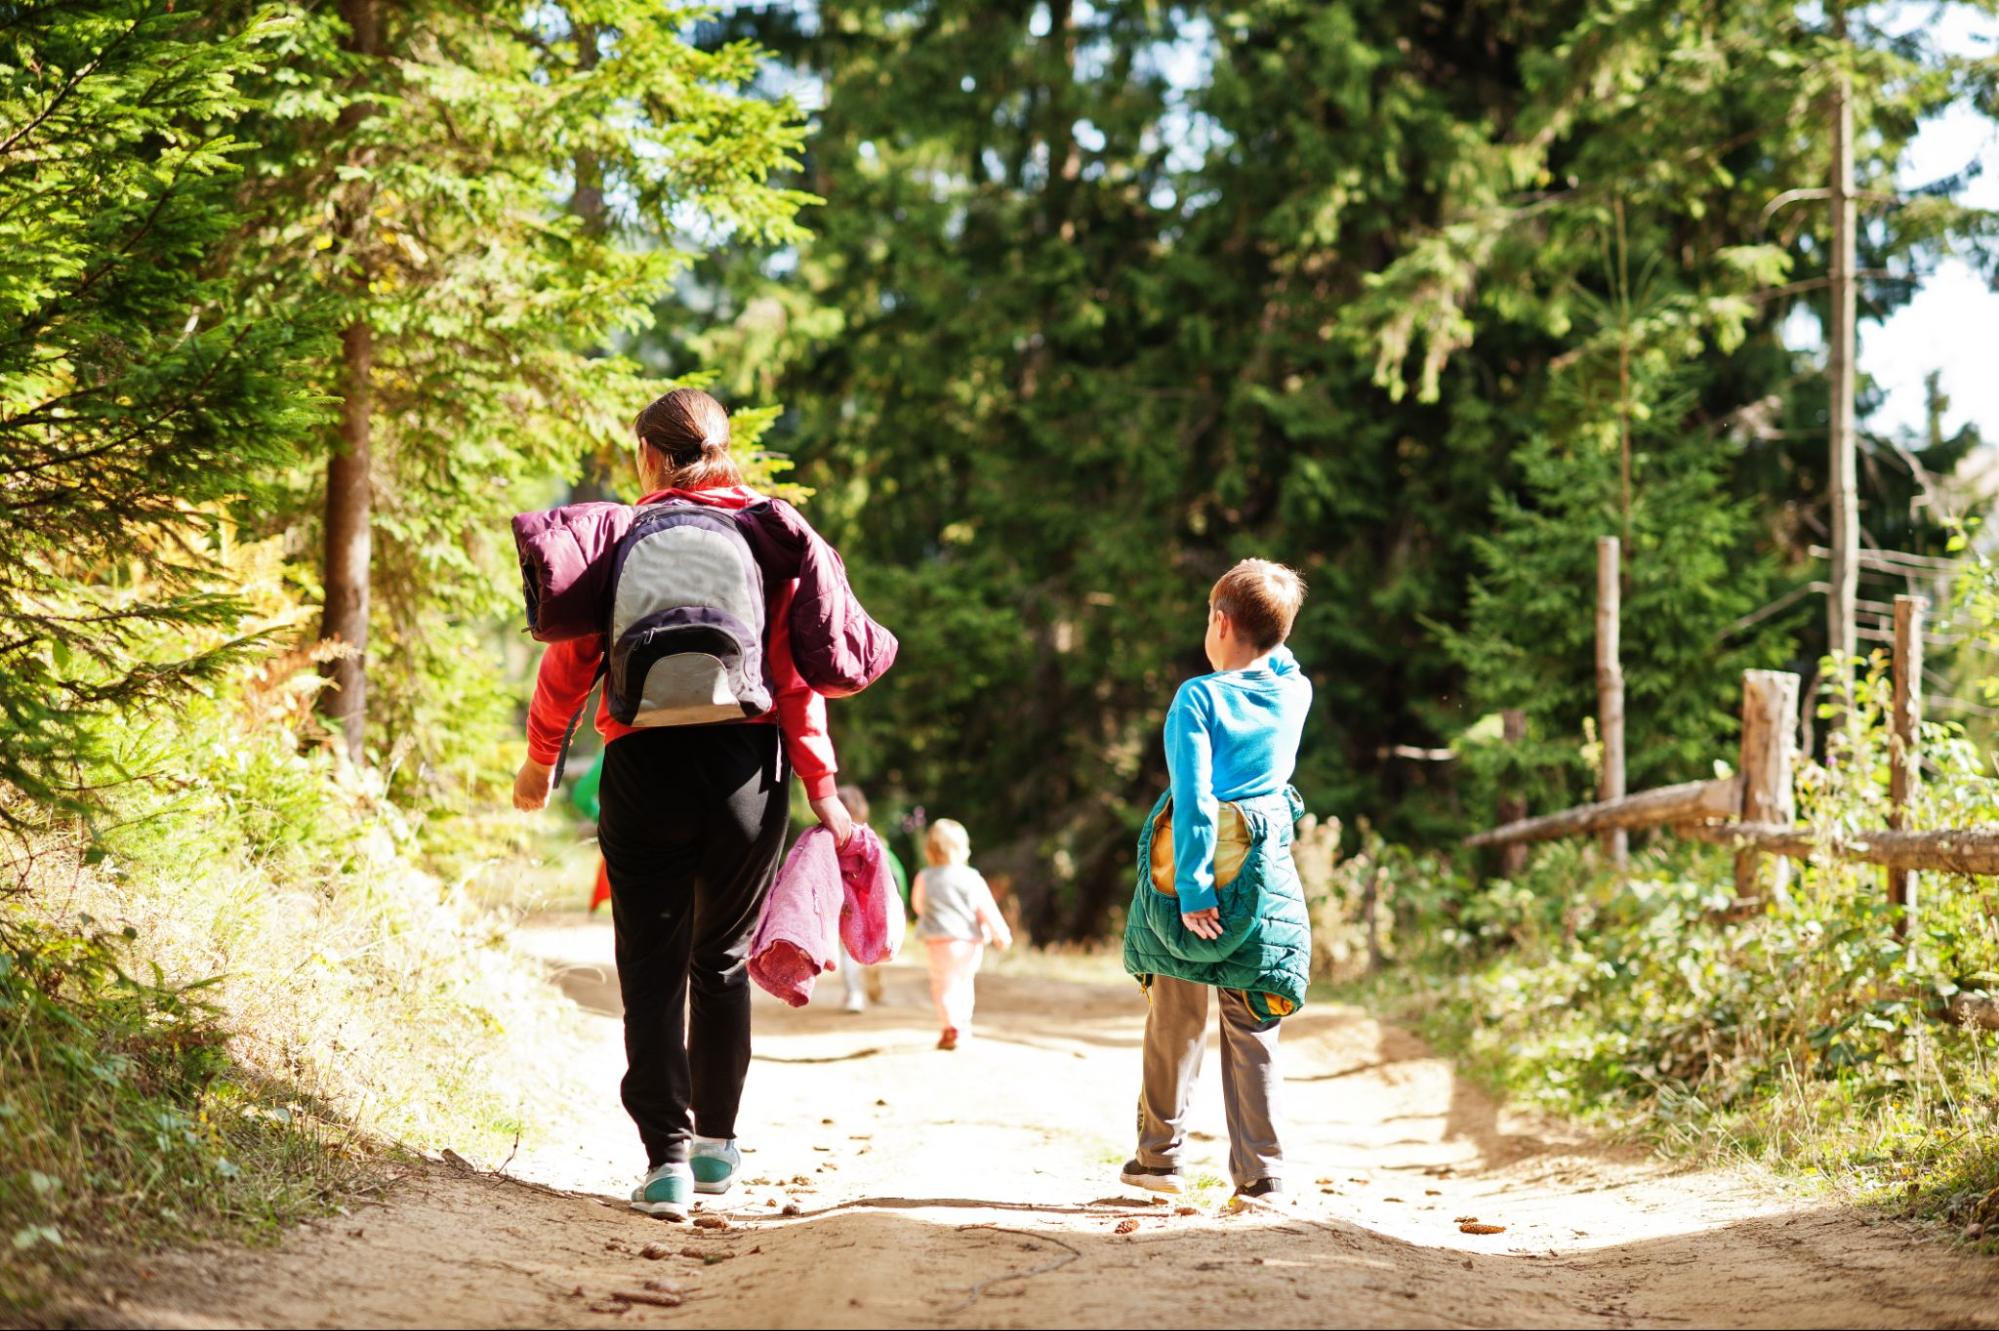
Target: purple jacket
{"x": 566, "y": 562}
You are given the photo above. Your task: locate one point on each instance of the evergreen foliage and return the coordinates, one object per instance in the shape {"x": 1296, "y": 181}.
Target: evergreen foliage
{"x": 1106, "y": 296}
{"x": 145, "y": 385}
{"x": 430, "y": 195}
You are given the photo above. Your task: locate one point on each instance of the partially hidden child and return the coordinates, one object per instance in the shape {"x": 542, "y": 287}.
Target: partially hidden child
{"x": 1218, "y": 905}
{"x": 956, "y": 917}
{"x": 864, "y": 983}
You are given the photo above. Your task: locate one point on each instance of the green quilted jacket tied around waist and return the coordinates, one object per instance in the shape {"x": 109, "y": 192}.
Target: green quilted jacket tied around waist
{"x": 1265, "y": 949}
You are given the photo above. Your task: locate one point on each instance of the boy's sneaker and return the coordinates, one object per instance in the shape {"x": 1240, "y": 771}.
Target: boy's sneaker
{"x": 714, "y": 1161}
{"x": 1263, "y": 1193}
{"x": 1154, "y": 1178}
{"x": 665, "y": 1192}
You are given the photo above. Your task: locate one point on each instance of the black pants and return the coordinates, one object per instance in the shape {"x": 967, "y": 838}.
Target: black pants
{"x": 692, "y": 824}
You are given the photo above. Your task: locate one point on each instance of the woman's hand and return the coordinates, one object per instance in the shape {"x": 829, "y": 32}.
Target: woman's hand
{"x": 833, "y": 816}
{"x": 532, "y": 786}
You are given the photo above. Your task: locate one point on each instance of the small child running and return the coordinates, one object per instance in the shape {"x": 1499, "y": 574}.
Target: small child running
{"x": 956, "y": 917}
{"x": 1218, "y": 903}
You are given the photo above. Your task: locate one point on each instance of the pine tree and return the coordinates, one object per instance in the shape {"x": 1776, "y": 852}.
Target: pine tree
{"x": 1106, "y": 297}
{"x": 411, "y": 166}
{"x": 145, "y": 390}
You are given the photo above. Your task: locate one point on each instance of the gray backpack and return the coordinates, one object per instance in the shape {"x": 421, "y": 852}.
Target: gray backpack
{"x": 686, "y": 640}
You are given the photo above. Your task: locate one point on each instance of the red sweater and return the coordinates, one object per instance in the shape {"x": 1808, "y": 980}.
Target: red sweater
{"x": 569, "y": 668}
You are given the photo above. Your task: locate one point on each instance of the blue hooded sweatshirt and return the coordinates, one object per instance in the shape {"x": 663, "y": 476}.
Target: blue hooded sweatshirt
{"x": 1232, "y": 735}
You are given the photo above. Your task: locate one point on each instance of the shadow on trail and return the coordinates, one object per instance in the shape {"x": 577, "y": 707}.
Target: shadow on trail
{"x": 592, "y": 988}
{"x": 828, "y": 1058}
{"x": 473, "y": 1250}
{"x": 880, "y": 1261}
{"x": 1101, "y": 1206}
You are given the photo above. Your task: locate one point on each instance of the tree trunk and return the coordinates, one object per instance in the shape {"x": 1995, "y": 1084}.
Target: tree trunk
{"x": 594, "y": 472}
{"x": 1842, "y": 499}
{"x": 349, "y": 489}
{"x": 349, "y": 543}
{"x": 1512, "y": 806}
{"x": 1904, "y": 747}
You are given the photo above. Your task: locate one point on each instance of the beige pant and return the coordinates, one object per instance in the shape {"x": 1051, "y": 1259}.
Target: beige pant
{"x": 1175, "y": 1030}
{"x": 954, "y": 968}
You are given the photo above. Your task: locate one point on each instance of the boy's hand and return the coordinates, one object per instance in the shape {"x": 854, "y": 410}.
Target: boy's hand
{"x": 833, "y": 816}
{"x": 532, "y": 786}
{"x": 1203, "y": 923}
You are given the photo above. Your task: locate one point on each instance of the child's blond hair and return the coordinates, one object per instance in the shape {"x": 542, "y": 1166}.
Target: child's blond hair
{"x": 947, "y": 842}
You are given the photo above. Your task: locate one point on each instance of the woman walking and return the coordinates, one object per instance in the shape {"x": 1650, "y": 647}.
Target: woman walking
{"x": 693, "y": 816}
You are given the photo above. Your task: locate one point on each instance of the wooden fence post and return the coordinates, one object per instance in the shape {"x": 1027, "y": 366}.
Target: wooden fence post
{"x": 1513, "y": 806}
{"x": 1610, "y": 691}
{"x": 1904, "y": 771}
{"x": 1769, "y": 722}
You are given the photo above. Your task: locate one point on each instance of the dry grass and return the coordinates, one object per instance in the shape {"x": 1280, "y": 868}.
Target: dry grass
{"x": 249, "y": 995}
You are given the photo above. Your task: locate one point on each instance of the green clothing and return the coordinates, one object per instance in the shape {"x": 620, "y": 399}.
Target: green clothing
{"x": 584, "y": 793}
{"x": 1265, "y": 950}
{"x": 900, "y": 874}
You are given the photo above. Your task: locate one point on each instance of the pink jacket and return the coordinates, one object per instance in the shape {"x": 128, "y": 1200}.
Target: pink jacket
{"x": 823, "y": 897}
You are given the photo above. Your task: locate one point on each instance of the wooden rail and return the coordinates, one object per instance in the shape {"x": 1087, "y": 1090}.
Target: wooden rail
{"x": 1752, "y": 811}
{"x": 1693, "y": 801}
{"x": 1973, "y": 851}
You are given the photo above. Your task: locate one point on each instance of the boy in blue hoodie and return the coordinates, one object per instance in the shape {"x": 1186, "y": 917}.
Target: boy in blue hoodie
{"x": 1218, "y": 903}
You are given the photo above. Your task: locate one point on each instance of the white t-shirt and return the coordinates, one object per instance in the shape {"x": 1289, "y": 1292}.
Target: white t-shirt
{"x": 953, "y": 895}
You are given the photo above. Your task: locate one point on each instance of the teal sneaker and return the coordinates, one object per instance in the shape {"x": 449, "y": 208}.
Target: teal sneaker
{"x": 665, "y": 1192}
{"x": 715, "y": 1161}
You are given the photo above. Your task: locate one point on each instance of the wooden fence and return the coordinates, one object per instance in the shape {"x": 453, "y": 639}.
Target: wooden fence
{"x": 1753, "y": 811}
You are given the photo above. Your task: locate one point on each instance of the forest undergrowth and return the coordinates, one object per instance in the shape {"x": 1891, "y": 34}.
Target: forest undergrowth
{"x": 1807, "y": 1037}
{"x": 250, "y": 986}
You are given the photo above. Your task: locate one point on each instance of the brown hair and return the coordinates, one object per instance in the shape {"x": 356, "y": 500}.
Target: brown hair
{"x": 1261, "y": 599}
{"x": 856, "y": 801}
{"x": 690, "y": 430}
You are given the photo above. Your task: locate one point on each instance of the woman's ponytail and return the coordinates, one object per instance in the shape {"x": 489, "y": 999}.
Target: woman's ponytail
{"x": 690, "y": 431}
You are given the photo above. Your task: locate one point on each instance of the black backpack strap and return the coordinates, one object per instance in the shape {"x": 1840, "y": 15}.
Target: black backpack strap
{"x": 562, "y": 754}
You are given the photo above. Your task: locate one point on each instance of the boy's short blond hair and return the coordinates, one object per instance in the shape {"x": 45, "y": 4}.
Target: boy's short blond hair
{"x": 947, "y": 842}
{"x": 1261, "y": 599}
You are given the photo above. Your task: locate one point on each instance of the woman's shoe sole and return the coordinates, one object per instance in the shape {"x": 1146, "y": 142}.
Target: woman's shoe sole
{"x": 662, "y": 1210}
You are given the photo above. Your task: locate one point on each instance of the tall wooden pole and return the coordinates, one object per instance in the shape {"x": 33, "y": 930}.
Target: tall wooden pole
{"x": 1904, "y": 771}
{"x": 1843, "y": 498}
{"x": 1769, "y": 720}
{"x": 1512, "y": 807}
{"x": 1610, "y": 690}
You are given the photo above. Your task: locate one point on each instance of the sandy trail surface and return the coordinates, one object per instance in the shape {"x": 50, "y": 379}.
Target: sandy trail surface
{"x": 978, "y": 1188}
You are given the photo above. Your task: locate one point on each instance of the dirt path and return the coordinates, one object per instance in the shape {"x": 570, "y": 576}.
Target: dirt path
{"x": 978, "y": 1189}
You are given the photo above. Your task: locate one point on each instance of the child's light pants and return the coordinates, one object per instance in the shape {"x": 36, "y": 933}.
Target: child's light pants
{"x": 954, "y": 966}
{"x": 859, "y": 979}
{"x": 1175, "y": 1030}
